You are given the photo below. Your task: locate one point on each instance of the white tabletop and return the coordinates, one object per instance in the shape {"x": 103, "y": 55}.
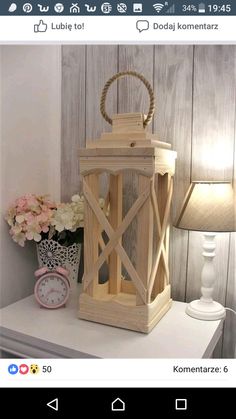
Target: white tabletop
{"x": 30, "y": 331}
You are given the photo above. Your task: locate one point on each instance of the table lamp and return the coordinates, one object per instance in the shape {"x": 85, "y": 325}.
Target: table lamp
{"x": 208, "y": 207}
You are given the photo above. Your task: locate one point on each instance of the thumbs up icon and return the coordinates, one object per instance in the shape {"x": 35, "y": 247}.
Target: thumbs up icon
{"x": 41, "y": 27}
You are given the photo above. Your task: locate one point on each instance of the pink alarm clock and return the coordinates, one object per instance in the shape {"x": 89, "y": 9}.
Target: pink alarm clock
{"x": 52, "y": 288}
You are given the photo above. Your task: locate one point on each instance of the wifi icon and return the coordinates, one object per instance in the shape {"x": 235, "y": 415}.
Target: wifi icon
{"x": 158, "y": 7}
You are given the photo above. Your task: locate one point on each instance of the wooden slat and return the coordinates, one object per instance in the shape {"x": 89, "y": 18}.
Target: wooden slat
{"x": 73, "y": 117}
{"x": 130, "y": 144}
{"x": 128, "y": 122}
{"x": 165, "y": 161}
{"x": 144, "y": 165}
{"x": 124, "y": 151}
{"x": 91, "y": 236}
{"x": 172, "y": 121}
{"x": 158, "y": 229}
{"x": 212, "y": 149}
{"x": 133, "y": 97}
{"x": 164, "y": 227}
{"x": 144, "y": 236}
{"x": 115, "y": 217}
{"x": 162, "y": 188}
{"x": 102, "y": 244}
{"x": 127, "y": 287}
{"x": 105, "y": 225}
{"x": 114, "y": 236}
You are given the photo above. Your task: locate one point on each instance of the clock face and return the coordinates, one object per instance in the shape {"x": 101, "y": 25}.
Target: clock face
{"x": 52, "y": 290}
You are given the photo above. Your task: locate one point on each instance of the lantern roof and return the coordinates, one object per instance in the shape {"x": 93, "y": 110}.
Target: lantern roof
{"x": 128, "y": 132}
{"x": 128, "y": 139}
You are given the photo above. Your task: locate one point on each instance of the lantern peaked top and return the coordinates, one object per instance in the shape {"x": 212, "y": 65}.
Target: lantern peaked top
{"x": 139, "y": 299}
{"x": 129, "y": 140}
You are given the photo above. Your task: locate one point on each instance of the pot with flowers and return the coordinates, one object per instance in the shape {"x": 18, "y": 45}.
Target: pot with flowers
{"x": 57, "y": 229}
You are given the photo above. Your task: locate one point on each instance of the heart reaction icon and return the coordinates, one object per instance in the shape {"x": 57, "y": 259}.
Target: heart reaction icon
{"x": 23, "y": 369}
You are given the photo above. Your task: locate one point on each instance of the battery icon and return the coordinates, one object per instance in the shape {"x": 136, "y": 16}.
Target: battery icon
{"x": 201, "y": 8}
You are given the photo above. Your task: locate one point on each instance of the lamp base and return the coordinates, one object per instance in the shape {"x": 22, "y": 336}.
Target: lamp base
{"x": 206, "y": 310}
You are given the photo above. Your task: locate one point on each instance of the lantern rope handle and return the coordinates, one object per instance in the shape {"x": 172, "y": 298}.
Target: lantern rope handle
{"x": 118, "y": 76}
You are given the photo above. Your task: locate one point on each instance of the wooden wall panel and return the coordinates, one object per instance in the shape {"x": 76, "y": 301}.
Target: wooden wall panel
{"x": 101, "y": 64}
{"x": 213, "y": 112}
{"x": 173, "y": 122}
{"x": 133, "y": 97}
{"x": 73, "y": 116}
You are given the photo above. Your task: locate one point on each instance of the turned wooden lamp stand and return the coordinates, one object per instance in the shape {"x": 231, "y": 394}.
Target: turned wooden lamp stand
{"x": 140, "y": 302}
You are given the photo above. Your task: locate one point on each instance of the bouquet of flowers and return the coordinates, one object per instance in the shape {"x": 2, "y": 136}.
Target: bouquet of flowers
{"x": 34, "y": 217}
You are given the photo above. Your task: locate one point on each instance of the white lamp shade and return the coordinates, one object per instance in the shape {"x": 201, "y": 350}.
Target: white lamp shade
{"x": 208, "y": 206}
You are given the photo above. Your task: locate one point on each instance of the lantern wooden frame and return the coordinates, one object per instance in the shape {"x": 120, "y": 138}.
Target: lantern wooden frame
{"x": 137, "y": 304}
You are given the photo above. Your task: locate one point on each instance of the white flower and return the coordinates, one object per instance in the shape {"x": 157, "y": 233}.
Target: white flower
{"x": 33, "y": 231}
{"x": 66, "y": 217}
{"x": 18, "y": 235}
{"x": 19, "y": 238}
{"x": 20, "y": 218}
{"x": 77, "y": 198}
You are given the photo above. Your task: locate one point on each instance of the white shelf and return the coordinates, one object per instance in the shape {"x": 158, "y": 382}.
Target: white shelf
{"x": 29, "y": 331}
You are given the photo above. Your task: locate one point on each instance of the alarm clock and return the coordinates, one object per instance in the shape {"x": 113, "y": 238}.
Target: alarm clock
{"x": 52, "y": 288}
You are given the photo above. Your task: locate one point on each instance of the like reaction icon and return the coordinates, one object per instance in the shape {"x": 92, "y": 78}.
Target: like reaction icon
{"x": 13, "y": 369}
{"x": 41, "y": 27}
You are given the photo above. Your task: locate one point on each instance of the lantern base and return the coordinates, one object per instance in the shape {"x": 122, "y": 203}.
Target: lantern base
{"x": 121, "y": 310}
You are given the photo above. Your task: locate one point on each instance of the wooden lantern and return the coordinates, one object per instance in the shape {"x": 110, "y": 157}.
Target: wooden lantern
{"x": 139, "y": 302}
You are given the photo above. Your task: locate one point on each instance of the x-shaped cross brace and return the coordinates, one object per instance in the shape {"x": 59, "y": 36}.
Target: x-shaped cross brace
{"x": 162, "y": 232}
{"x": 114, "y": 237}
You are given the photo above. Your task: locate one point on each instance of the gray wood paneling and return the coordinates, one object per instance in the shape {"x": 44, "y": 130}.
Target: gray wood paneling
{"x": 173, "y": 121}
{"x": 195, "y": 91}
{"x": 73, "y": 116}
{"x": 101, "y": 64}
{"x": 213, "y": 112}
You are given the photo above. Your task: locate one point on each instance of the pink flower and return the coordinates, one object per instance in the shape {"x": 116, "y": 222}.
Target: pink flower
{"x": 20, "y": 204}
{"x": 34, "y": 217}
{"x": 29, "y": 217}
{"x": 44, "y": 216}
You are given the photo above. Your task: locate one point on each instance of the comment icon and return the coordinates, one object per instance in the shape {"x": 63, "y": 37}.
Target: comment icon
{"x": 142, "y": 25}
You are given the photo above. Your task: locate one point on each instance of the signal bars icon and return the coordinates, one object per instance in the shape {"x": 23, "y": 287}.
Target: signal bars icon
{"x": 158, "y": 7}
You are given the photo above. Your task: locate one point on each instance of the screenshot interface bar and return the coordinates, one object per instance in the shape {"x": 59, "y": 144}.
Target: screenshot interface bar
{"x": 117, "y": 22}
{"x": 117, "y": 206}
